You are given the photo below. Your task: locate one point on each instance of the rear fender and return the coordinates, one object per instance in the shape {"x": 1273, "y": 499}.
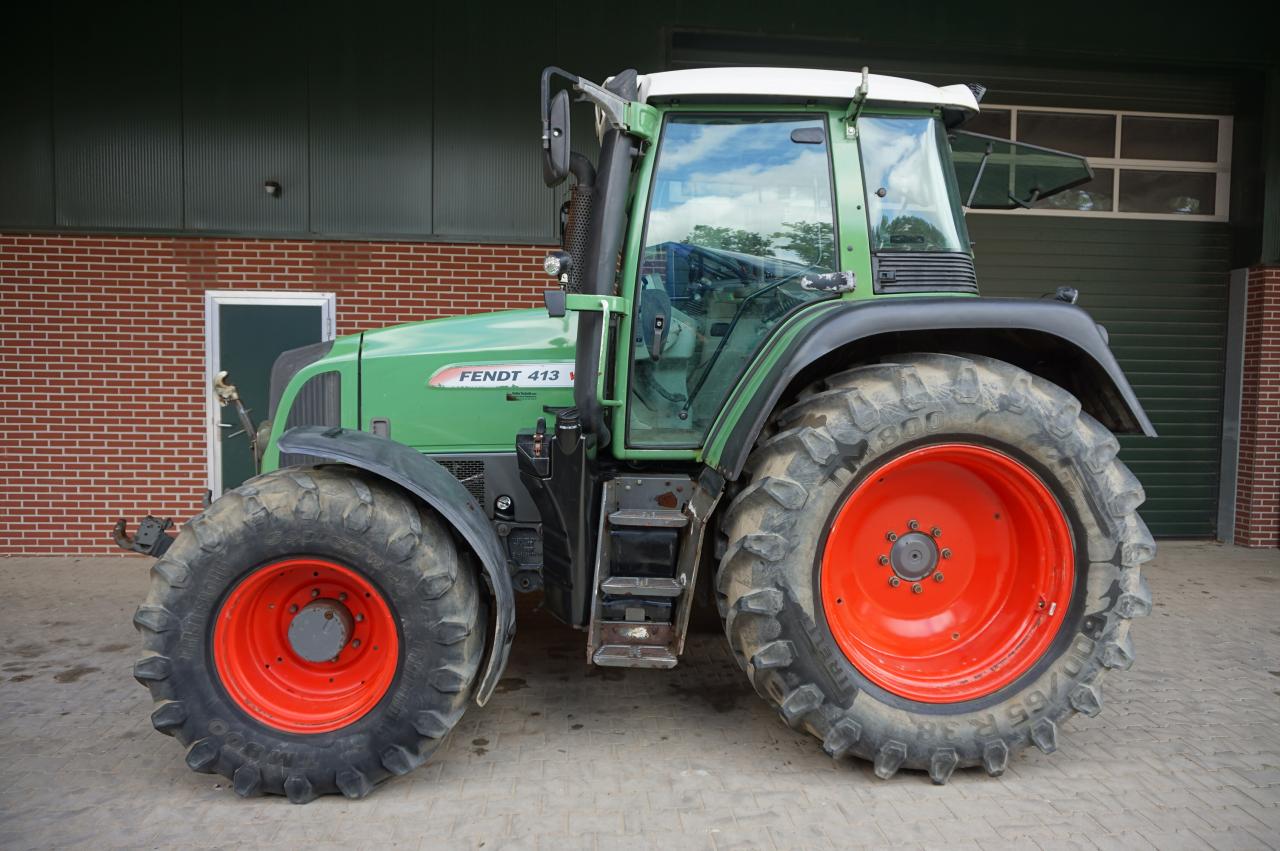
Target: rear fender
{"x": 433, "y": 484}
{"x": 1056, "y": 341}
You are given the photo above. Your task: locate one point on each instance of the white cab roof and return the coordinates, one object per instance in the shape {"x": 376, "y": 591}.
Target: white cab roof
{"x": 799, "y": 83}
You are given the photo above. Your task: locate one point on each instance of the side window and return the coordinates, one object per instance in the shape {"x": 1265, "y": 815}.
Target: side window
{"x": 739, "y": 213}
{"x": 912, "y": 203}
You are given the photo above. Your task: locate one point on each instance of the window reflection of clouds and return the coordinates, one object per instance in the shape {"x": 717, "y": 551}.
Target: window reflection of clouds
{"x": 901, "y": 156}
{"x": 741, "y": 176}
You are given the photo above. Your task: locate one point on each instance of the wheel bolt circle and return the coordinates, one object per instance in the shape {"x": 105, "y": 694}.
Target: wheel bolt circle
{"x": 917, "y": 588}
{"x": 894, "y": 582}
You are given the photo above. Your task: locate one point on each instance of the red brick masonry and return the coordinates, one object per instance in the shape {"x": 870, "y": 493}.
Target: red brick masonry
{"x": 1258, "y": 479}
{"x": 102, "y": 358}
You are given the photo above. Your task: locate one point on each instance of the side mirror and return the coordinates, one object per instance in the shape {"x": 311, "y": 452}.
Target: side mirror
{"x": 555, "y": 140}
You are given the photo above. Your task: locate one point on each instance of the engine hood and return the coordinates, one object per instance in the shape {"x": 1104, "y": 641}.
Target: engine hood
{"x": 466, "y": 383}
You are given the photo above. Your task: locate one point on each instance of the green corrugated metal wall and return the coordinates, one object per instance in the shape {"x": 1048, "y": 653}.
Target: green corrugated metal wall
{"x": 1160, "y": 288}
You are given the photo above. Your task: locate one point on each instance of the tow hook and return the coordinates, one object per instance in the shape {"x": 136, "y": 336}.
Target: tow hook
{"x": 151, "y": 538}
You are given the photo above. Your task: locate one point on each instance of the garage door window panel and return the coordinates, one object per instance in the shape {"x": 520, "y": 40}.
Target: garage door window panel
{"x": 1146, "y": 165}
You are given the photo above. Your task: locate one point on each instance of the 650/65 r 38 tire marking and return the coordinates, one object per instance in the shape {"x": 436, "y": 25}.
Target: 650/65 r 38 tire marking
{"x": 271, "y": 679}
{"x": 946, "y": 573}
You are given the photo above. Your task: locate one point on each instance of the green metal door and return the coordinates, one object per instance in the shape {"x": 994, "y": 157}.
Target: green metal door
{"x": 1160, "y": 289}
{"x": 249, "y": 338}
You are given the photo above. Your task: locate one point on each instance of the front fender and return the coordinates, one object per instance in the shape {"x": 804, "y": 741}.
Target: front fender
{"x": 434, "y": 485}
{"x": 1057, "y": 341}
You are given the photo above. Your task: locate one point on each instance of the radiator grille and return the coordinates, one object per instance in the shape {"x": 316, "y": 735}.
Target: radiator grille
{"x": 318, "y": 403}
{"x": 470, "y": 473}
{"x": 925, "y": 272}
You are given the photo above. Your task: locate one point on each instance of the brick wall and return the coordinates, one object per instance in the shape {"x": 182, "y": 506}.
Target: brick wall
{"x": 1258, "y": 479}
{"x": 102, "y": 358}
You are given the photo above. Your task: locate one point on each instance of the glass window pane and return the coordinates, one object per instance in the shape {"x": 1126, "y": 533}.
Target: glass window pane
{"x": 911, "y": 202}
{"x": 1188, "y": 192}
{"x": 1092, "y": 197}
{"x": 996, "y": 174}
{"x": 740, "y": 211}
{"x": 991, "y": 122}
{"x": 1081, "y": 133}
{"x": 1151, "y": 138}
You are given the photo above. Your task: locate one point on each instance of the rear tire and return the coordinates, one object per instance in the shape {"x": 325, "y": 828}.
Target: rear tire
{"x": 272, "y": 733}
{"x": 775, "y": 580}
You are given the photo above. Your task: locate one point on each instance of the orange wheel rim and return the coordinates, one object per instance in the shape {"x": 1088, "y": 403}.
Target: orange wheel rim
{"x": 306, "y": 645}
{"x": 947, "y": 573}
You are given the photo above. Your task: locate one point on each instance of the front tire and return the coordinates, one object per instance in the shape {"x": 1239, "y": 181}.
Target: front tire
{"x": 239, "y": 629}
{"x": 837, "y": 608}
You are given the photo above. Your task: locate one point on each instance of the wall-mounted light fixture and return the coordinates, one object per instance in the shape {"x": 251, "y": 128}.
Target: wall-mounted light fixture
{"x": 272, "y": 188}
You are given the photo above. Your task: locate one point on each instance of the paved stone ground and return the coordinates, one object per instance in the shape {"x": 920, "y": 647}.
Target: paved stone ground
{"x": 1186, "y": 753}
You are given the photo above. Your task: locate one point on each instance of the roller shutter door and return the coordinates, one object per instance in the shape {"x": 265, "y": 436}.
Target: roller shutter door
{"x": 1160, "y": 288}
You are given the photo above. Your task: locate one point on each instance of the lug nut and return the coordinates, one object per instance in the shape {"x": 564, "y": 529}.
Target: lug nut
{"x": 894, "y": 582}
{"x": 342, "y": 596}
{"x": 946, "y": 553}
{"x": 937, "y": 577}
{"x": 917, "y": 588}
{"x": 884, "y": 559}
{"x": 293, "y": 608}
{"x": 315, "y": 592}
{"x": 359, "y": 618}
{"x": 913, "y": 525}
{"x": 355, "y": 642}
{"x": 891, "y": 536}
{"x": 935, "y": 532}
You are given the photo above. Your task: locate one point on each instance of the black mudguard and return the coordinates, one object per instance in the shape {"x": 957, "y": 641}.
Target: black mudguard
{"x": 1049, "y": 338}
{"x": 434, "y": 485}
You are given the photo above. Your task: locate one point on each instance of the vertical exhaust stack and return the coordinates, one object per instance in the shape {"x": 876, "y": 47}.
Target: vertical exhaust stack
{"x": 578, "y": 227}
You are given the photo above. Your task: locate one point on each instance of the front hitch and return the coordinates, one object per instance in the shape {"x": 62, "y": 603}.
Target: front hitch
{"x": 151, "y": 538}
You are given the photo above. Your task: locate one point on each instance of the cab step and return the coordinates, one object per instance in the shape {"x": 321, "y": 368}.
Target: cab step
{"x": 651, "y": 530}
{"x": 660, "y": 518}
{"x": 634, "y": 656}
{"x": 642, "y": 586}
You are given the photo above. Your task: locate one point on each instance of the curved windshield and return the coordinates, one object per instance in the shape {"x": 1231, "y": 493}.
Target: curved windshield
{"x": 912, "y": 201}
{"x": 740, "y": 214}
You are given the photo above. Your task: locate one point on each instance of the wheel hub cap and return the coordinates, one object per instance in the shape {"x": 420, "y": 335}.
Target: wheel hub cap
{"x": 320, "y": 631}
{"x": 913, "y": 556}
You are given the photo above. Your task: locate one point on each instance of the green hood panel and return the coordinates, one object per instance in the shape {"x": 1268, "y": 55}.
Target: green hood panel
{"x": 467, "y": 383}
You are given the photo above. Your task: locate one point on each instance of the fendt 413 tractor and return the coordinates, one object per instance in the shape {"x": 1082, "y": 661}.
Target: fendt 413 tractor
{"x": 763, "y": 377}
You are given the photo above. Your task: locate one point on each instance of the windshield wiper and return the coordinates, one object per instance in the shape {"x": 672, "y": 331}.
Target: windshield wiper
{"x": 733, "y": 323}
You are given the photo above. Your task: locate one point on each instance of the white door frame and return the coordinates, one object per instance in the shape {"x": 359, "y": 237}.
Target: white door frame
{"x": 213, "y": 299}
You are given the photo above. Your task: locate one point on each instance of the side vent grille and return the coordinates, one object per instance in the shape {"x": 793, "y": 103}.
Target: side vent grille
{"x": 470, "y": 473}
{"x": 925, "y": 272}
{"x": 318, "y": 403}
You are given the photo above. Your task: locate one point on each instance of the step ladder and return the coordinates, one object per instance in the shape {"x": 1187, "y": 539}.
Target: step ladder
{"x": 646, "y": 565}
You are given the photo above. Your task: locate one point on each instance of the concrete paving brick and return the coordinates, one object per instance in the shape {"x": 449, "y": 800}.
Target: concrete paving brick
{"x": 1186, "y": 753}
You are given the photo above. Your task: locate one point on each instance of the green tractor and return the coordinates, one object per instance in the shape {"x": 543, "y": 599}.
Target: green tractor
{"x": 763, "y": 378}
